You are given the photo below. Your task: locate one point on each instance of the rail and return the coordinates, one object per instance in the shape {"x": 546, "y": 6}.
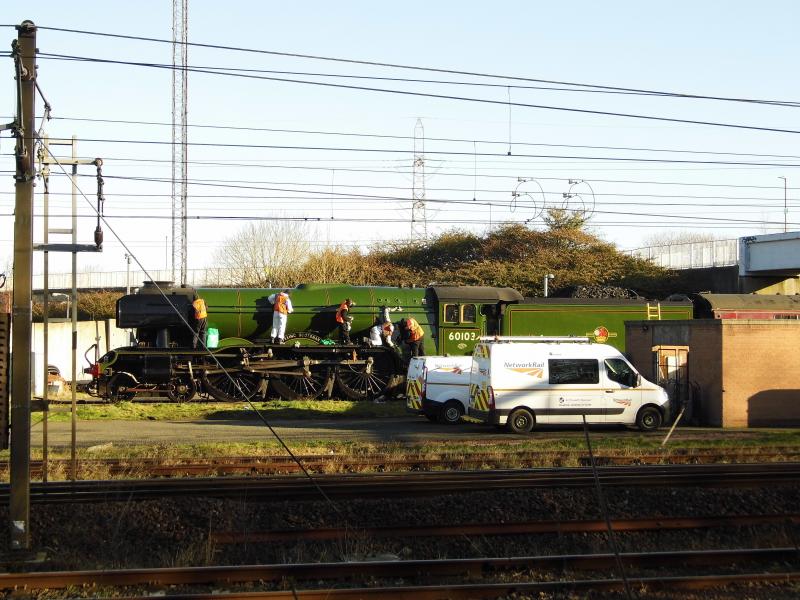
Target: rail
{"x": 289, "y": 487}
{"x": 465, "y": 568}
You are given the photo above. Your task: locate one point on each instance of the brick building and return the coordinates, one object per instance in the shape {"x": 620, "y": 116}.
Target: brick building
{"x": 743, "y": 373}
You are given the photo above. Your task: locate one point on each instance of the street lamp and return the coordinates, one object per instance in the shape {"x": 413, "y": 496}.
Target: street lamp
{"x": 128, "y": 274}
{"x": 547, "y": 278}
{"x": 785, "y": 205}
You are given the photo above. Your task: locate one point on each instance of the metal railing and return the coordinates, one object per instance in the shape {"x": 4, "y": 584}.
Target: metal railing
{"x": 119, "y": 279}
{"x": 691, "y": 255}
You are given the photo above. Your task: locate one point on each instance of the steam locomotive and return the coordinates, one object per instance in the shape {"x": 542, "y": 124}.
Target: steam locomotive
{"x": 310, "y": 362}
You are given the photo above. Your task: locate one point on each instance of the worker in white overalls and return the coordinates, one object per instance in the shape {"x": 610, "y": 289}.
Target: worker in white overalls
{"x": 281, "y": 309}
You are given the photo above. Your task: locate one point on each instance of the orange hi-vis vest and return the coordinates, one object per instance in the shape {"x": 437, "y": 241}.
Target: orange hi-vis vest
{"x": 280, "y": 304}
{"x": 199, "y": 309}
{"x": 341, "y": 311}
{"x": 415, "y": 330}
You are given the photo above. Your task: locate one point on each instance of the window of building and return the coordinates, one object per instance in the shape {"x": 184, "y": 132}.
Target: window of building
{"x": 468, "y": 313}
{"x": 451, "y": 313}
{"x": 574, "y": 370}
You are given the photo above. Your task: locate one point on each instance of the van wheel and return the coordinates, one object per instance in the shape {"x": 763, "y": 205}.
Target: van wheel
{"x": 451, "y": 412}
{"x": 648, "y": 419}
{"x": 521, "y": 421}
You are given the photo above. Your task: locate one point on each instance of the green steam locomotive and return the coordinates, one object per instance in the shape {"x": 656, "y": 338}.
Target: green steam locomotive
{"x": 310, "y": 362}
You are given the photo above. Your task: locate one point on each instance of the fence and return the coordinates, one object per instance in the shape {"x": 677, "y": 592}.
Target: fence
{"x": 119, "y": 279}
{"x": 692, "y": 255}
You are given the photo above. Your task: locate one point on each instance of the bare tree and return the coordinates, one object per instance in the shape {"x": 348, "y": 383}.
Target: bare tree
{"x": 265, "y": 254}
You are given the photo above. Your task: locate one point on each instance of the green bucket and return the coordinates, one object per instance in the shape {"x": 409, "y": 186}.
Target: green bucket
{"x": 212, "y": 337}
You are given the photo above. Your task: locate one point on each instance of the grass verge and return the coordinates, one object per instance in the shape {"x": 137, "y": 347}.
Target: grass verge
{"x": 193, "y": 411}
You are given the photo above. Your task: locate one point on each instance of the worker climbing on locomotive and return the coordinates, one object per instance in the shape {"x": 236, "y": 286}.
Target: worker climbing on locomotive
{"x": 344, "y": 320}
{"x": 387, "y": 327}
{"x": 281, "y": 309}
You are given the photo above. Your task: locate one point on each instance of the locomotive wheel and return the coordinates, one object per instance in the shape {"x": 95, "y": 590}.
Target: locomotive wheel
{"x": 118, "y": 388}
{"x": 234, "y": 386}
{"x": 182, "y": 389}
{"x": 294, "y": 388}
{"x": 357, "y": 382}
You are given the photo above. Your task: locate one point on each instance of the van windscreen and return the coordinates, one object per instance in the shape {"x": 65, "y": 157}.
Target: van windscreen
{"x": 573, "y": 370}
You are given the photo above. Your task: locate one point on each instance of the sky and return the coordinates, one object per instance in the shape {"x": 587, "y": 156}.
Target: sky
{"x": 343, "y": 158}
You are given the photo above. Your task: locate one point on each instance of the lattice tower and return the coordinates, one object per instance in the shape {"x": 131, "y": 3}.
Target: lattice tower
{"x": 180, "y": 158}
{"x": 419, "y": 221}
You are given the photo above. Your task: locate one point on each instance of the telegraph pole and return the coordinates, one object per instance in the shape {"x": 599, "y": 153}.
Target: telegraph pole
{"x": 24, "y": 53}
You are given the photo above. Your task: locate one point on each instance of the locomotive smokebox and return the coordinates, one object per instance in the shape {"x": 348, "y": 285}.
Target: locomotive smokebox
{"x": 159, "y": 312}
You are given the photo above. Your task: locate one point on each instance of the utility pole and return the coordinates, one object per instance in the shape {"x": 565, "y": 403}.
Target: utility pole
{"x": 180, "y": 114}
{"x": 24, "y": 54}
{"x": 419, "y": 221}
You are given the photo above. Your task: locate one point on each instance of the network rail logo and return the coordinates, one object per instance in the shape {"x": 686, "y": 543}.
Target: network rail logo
{"x": 531, "y": 369}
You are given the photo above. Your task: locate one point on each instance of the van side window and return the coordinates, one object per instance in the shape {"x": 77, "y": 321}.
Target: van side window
{"x": 574, "y": 370}
{"x": 468, "y": 313}
{"x": 451, "y": 313}
{"x": 620, "y": 371}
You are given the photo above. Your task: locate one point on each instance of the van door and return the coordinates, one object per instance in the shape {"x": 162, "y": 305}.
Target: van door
{"x": 575, "y": 391}
{"x": 622, "y": 397}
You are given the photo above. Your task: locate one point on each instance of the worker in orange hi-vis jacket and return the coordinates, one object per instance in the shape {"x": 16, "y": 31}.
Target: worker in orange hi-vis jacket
{"x": 412, "y": 333}
{"x": 344, "y": 320}
{"x": 200, "y": 321}
{"x": 281, "y": 309}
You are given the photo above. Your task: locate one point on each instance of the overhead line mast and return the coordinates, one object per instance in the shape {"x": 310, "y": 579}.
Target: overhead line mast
{"x": 419, "y": 220}
{"x": 180, "y": 146}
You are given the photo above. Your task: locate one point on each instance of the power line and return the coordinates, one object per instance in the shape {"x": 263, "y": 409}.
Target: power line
{"x": 307, "y": 219}
{"x": 433, "y": 139}
{"x": 439, "y": 96}
{"x": 418, "y": 68}
{"x": 441, "y": 152}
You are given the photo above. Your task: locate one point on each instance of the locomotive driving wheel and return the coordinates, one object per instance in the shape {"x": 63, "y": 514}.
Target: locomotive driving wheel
{"x": 118, "y": 388}
{"x": 289, "y": 387}
{"x": 366, "y": 381}
{"x": 182, "y": 389}
{"x": 233, "y": 386}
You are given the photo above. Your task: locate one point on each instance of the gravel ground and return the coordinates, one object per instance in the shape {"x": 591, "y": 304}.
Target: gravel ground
{"x": 175, "y": 532}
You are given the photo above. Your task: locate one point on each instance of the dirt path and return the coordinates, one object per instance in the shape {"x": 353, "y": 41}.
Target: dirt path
{"x": 404, "y": 429}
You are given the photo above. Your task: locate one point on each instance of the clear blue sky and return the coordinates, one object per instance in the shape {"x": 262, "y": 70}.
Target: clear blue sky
{"x": 733, "y": 49}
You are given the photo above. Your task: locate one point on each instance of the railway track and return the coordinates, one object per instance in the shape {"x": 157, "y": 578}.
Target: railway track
{"x": 291, "y": 487}
{"x": 324, "y": 463}
{"x": 503, "y": 529}
{"x": 562, "y": 567}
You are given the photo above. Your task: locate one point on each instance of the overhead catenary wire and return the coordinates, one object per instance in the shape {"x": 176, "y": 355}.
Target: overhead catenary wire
{"x": 438, "y": 152}
{"x": 408, "y": 67}
{"x": 445, "y": 96}
{"x": 516, "y": 143}
{"x": 784, "y": 103}
{"x": 307, "y": 219}
{"x": 483, "y": 175}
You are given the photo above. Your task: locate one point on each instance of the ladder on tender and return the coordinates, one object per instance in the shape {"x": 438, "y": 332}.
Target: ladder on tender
{"x": 654, "y": 312}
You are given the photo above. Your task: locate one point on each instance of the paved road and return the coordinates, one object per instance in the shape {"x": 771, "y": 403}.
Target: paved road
{"x": 403, "y": 430}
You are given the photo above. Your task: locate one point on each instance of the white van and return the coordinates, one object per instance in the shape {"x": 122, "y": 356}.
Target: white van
{"x": 438, "y": 387}
{"x": 519, "y": 382}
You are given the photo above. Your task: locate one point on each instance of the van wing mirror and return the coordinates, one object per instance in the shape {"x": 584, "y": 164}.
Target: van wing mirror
{"x": 637, "y": 381}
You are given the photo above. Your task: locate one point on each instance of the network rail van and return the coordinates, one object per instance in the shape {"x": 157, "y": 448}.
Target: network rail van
{"x": 521, "y": 381}
{"x": 438, "y": 387}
